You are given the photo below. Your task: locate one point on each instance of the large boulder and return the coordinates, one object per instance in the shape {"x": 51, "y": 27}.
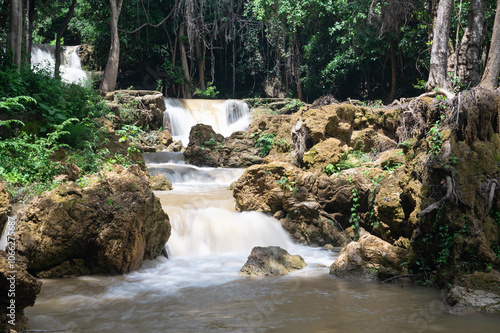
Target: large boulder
{"x": 5, "y": 208}
{"x": 290, "y": 194}
{"x": 271, "y": 260}
{"x": 370, "y": 258}
{"x": 110, "y": 226}
{"x": 18, "y": 289}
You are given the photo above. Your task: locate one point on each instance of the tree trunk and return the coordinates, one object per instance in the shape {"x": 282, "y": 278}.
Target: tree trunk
{"x": 394, "y": 86}
{"x": 200, "y": 58}
{"x": 15, "y": 35}
{"x": 438, "y": 74}
{"x": 469, "y": 51}
{"x": 492, "y": 70}
{"x": 182, "y": 50}
{"x": 29, "y": 35}
{"x": 111, "y": 71}
{"x": 299, "y": 84}
{"x": 62, "y": 28}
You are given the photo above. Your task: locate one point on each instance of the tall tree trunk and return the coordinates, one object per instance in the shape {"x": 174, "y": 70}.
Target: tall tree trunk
{"x": 394, "y": 86}
{"x": 438, "y": 74}
{"x": 182, "y": 50}
{"x": 15, "y": 35}
{"x": 469, "y": 51}
{"x": 492, "y": 70}
{"x": 297, "y": 52}
{"x": 29, "y": 34}
{"x": 200, "y": 58}
{"x": 111, "y": 71}
{"x": 62, "y": 28}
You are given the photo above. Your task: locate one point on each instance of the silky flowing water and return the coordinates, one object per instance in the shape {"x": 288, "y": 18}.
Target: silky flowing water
{"x": 198, "y": 289}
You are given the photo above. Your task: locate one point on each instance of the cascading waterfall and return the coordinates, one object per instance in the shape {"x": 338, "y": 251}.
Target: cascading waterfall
{"x": 43, "y": 56}
{"x": 225, "y": 116}
{"x": 198, "y": 288}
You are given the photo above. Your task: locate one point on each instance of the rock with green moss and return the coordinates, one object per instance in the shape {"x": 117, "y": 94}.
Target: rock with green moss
{"x": 110, "y": 226}
{"x": 271, "y": 261}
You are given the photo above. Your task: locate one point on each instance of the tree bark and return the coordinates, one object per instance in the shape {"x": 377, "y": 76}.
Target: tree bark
{"x": 469, "y": 51}
{"x": 299, "y": 84}
{"x": 200, "y": 59}
{"x": 182, "y": 50}
{"x": 438, "y": 74}
{"x": 394, "y": 87}
{"x": 111, "y": 70}
{"x": 492, "y": 70}
{"x": 62, "y": 28}
{"x": 15, "y": 35}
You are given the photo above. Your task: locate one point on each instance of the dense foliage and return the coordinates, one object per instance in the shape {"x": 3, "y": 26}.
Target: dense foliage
{"x": 368, "y": 49}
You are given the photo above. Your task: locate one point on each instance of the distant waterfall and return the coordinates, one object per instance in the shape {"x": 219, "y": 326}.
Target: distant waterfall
{"x": 225, "y": 117}
{"x": 43, "y": 55}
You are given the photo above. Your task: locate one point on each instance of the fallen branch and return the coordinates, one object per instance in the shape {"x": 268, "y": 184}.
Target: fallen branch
{"x": 399, "y": 277}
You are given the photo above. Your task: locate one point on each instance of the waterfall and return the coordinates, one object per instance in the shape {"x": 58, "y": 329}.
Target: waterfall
{"x": 225, "y": 117}
{"x": 43, "y": 56}
{"x": 7, "y": 230}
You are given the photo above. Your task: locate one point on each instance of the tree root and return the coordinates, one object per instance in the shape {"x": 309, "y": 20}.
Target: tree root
{"x": 449, "y": 190}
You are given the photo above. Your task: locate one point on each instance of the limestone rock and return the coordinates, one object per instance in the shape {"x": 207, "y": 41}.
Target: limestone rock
{"x": 369, "y": 259}
{"x": 326, "y": 152}
{"x": 165, "y": 138}
{"x": 476, "y": 292}
{"x": 5, "y": 208}
{"x": 137, "y": 107}
{"x": 160, "y": 183}
{"x": 110, "y": 226}
{"x": 271, "y": 260}
{"x": 465, "y": 300}
{"x": 279, "y": 186}
{"x": 26, "y": 289}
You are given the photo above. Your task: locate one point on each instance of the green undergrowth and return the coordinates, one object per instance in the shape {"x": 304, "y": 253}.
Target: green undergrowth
{"x": 43, "y": 122}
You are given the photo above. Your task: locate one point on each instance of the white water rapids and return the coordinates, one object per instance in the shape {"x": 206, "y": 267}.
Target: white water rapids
{"x": 225, "y": 116}
{"x": 43, "y": 56}
{"x": 198, "y": 288}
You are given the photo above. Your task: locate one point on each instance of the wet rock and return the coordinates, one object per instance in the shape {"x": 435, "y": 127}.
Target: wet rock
{"x": 476, "y": 292}
{"x": 15, "y": 278}
{"x": 160, "y": 183}
{"x": 465, "y": 300}
{"x": 206, "y": 147}
{"x": 370, "y": 258}
{"x": 271, "y": 260}
{"x": 110, "y": 226}
{"x": 165, "y": 138}
{"x": 5, "y": 208}
{"x": 281, "y": 187}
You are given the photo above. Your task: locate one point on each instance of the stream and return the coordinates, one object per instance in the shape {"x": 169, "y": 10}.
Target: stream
{"x": 198, "y": 288}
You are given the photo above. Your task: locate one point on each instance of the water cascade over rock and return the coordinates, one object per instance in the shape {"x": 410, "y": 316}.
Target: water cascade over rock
{"x": 43, "y": 56}
{"x": 225, "y": 117}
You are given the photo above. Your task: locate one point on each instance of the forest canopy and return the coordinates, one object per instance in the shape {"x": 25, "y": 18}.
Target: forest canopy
{"x": 367, "y": 49}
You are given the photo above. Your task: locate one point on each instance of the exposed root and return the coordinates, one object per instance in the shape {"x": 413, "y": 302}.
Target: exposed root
{"x": 449, "y": 190}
